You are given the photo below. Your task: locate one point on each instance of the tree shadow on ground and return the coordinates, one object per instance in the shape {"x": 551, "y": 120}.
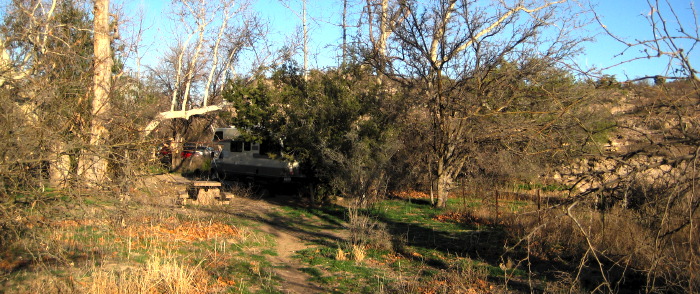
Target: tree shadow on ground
{"x": 486, "y": 244}
{"x": 492, "y": 245}
{"x": 469, "y": 243}
{"x": 318, "y": 231}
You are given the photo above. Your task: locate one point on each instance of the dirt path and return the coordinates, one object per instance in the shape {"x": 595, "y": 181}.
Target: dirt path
{"x": 288, "y": 238}
{"x": 291, "y": 234}
{"x": 285, "y": 266}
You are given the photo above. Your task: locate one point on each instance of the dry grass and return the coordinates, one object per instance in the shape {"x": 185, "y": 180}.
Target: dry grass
{"x": 101, "y": 247}
{"x": 358, "y": 253}
{"x": 159, "y": 275}
{"x": 367, "y": 231}
{"x": 612, "y": 249}
{"x": 174, "y": 230}
{"x": 464, "y": 277}
{"x": 341, "y": 255}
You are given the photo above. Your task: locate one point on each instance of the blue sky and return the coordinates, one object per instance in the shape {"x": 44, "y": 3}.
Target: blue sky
{"x": 626, "y": 19}
{"x": 623, "y": 17}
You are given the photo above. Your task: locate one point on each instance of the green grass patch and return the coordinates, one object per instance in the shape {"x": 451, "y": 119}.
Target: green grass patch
{"x": 495, "y": 271}
{"x": 331, "y": 214}
{"x": 517, "y": 205}
{"x": 343, "y": 276}
{"x": 414, "y": 214}
{"x": 270, "y": 252}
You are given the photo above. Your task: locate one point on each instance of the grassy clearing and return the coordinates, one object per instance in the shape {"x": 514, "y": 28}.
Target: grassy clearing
{"x": 398, "y": 245}
{"x": 428, "y": 252}
{"x": 101, "y": 245}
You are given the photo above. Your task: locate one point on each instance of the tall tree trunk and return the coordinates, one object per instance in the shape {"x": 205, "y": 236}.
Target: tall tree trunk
{"x": 176, "y": 146}
{"x": 345, "y": 31}
{"x": 96, "y": 160}
{"x": 306, "y": 41}
{"x": 384, "y": 30}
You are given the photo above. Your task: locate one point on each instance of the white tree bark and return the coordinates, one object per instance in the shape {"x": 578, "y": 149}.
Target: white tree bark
{"x": 95, "y": 162}
{"x": 215, "y": 54}
{"x": 306, "y": 41}
{"x": 183, "y": 114}
{"x": 178, "y": 73}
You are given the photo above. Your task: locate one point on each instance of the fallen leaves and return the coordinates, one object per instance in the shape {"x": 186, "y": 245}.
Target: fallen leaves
{"x": 225, "y": 281}
{"x": 186, "y": 231}
{"x": 411, "y": 195}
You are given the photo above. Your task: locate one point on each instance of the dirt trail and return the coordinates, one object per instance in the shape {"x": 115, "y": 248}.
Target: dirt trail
{"x": 288, "y": 238}
{"x": 286, "y": 267}
{"x": 291, "y": 234}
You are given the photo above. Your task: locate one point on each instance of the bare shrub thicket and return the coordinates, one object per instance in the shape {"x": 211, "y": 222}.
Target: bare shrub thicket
{"x": 643, "y": 185}
{"x": 629, "y": 218}
{"x": 366, "y": 231}
{"x": 655, "y": 177}
{"x": 46, "y": 75}
{"x": 46, "y": 67}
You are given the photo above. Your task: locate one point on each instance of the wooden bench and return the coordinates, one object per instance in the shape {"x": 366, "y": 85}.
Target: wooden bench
{"x": 203, "y": 193}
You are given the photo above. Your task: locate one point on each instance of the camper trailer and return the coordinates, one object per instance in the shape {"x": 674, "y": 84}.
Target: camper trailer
{"x": 251, "y": 161}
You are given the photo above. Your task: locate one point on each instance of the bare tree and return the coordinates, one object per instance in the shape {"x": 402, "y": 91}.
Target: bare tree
{"x": 382, "y": 17}
{"x": 205, "y": 54}
{"x": 19, "y": 64}
{"x": 450, "y": 50}
{"x": 46, "y": 67}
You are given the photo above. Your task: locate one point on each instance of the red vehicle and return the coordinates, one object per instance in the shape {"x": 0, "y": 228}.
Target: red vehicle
{"x": 191, "y": 149}
{"x": 164, "y": 155}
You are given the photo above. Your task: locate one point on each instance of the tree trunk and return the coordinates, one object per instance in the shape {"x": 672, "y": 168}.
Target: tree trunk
{"x": 384, "y": 30}
{"x": 442, "y": 186}
{"x": 60, "y": 167}
{"x": 95, "y": 161}
{"x": 177, "y": 143}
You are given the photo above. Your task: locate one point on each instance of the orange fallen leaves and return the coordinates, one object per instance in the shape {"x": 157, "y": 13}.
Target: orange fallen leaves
{"x": 411, "y": 195}
{"x": 186, "y": 231}
{"x": 225, "y": 281}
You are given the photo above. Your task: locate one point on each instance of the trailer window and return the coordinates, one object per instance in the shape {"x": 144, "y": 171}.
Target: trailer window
{"x": 236, "y": 146}
{"x": 218, "y": 135}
